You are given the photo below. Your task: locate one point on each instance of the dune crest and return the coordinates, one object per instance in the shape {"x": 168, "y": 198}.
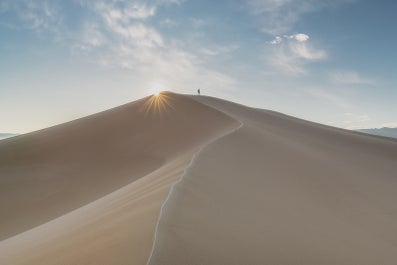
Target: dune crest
{"x": 281, "y": 190}
{"x": 263, "y": 188}
{"x": 90, "y": 191}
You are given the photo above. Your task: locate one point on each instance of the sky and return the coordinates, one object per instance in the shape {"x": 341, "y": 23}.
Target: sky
{"x": 331, "y": 62}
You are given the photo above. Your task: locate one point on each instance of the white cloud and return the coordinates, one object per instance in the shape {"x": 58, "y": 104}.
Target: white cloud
{"x": 291, "y": 53}
{"x": 350, "y": 78}
{"x": 130, "y": 43}
{"x": 300, "y": 37}
{"x": 121, "y": 34}
{"x": 126, "y": 12}
{"x": 276, "y": 40}
{"x": 389, "y": 125}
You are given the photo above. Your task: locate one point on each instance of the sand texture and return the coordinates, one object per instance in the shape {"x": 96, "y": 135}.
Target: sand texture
{"x": 194, "y": 180}
{"x": 280, "y": 190}
{"x": 90, "y": 191}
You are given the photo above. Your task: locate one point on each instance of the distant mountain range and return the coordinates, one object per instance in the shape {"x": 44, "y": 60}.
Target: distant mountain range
{"x": 386, "y": 132}
{"x": 7, "y": 135}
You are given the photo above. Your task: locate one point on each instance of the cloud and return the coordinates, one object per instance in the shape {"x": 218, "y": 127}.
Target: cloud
{"x": 300, "y": 37}
{"x": 279, "y": 16}
{"x": 218, "y": 49}
{"x": 291, "y": 53}
{"x": 389, "y": 125}
{"x": 35, "y": 15}
{"x": 277, "y": 40}
{"x": 123, "y": 34}
{"x": 126, "y": 40}
{"x": 125, "y": 11}
{"x": 350, "y": 78}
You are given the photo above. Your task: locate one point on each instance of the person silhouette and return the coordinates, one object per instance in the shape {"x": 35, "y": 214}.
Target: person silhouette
{"x": 198, "y": 91}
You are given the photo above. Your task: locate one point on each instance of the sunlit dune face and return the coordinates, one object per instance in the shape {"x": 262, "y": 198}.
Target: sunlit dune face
{"x": 157, "y": 104}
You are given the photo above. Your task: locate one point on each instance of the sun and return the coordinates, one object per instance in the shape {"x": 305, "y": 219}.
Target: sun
{"x": 156, "y": 89}
{"x": 156, "y": 92}
{"x": 157, "y": 104}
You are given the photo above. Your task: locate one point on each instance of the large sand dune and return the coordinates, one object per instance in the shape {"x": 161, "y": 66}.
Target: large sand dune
{"x": 280, "y": 190}
{"x": 117, "y": 166}
{"x": 255, "y": 187}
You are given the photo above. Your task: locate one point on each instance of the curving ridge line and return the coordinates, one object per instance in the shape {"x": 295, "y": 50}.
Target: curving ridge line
{"x": 281, "y": 190}
{"x": 184, "y": 173}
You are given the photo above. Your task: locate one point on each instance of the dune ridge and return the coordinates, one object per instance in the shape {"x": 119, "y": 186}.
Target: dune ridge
{"x": 191, "y": 163}
{"x": 280, "y": 190}
{"x": 115, "y": 223}
{"x": 186, "y": 179}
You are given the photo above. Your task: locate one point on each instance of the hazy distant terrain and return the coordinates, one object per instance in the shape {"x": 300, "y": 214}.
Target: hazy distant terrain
{"x": 6, "y": 135}
{"x": 387, "y": 132}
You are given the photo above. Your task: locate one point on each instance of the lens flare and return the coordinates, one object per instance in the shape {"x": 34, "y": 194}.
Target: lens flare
{"x": 158, "y": 104}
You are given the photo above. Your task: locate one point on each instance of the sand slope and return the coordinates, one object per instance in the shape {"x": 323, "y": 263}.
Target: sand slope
{"x": 280, "y": 190}
{"x": 90, "y": 191}
{"x": 258, "y": 187}
{"x": 115, "y": 229}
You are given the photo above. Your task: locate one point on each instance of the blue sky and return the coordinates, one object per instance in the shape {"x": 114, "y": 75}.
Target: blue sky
{"x": 331, "y": 62}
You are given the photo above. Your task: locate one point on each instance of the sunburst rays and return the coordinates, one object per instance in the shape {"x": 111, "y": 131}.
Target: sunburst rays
{"x": 158, "y": 104}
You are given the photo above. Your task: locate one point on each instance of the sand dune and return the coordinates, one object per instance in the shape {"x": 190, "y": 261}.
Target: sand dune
{"x": 47, "y": 174}
{"x": 115, "y": 229}
{"x": 280, "y": 190}
{"x": 262, "y": 188}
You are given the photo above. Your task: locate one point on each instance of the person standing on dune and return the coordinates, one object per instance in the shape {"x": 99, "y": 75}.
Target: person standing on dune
{"x": 198, "y": 91}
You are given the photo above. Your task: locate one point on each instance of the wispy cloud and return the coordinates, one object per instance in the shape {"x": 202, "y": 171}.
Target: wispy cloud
{"x": 218, "y": 49}
{"x": 121, "y": 34}
{"x": 137, "y": 46}
{"x": 279, "y": 16}
{"x": 291, "y": 53}
{"x": 351, "y": 78}
{"x": 35, "y": 15}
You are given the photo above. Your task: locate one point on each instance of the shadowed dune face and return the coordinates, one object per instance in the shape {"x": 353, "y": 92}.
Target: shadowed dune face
{"x": 47, "y": 173}
{"x": 280, "y": 190}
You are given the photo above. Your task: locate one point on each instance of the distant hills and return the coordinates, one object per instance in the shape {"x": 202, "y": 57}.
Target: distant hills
{"x": 7, "y": 135}
{"x": 386, "y": 132}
